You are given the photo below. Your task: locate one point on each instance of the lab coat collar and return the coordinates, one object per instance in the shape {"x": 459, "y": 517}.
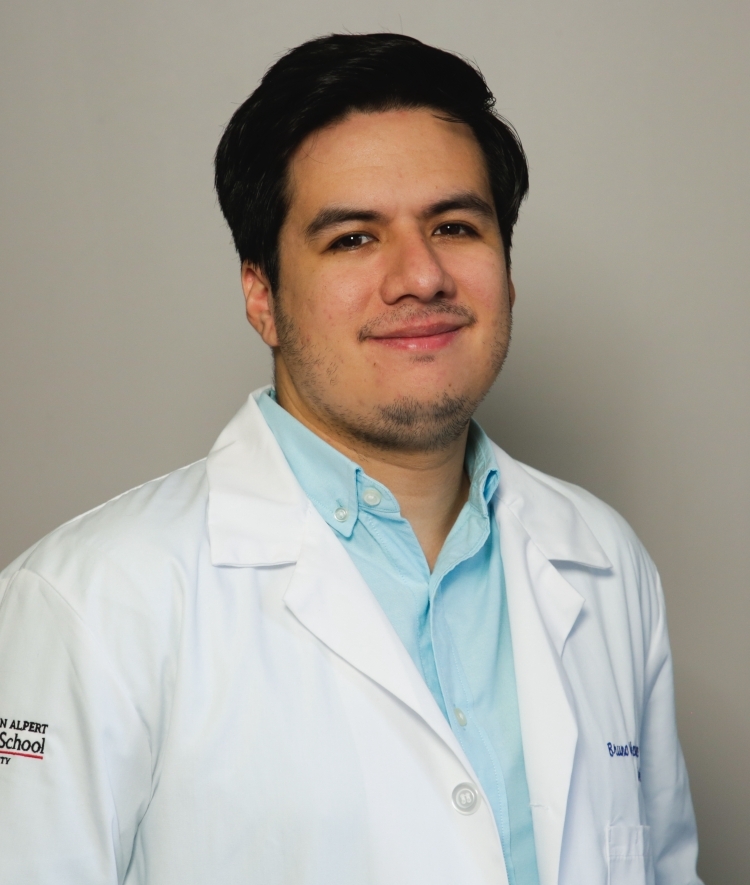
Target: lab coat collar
{"x": 256, "y": 508}
{"x": 551, "y": 519}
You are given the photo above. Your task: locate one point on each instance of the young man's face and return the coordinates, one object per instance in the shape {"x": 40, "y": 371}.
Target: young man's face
{"x": 393, "y": 310}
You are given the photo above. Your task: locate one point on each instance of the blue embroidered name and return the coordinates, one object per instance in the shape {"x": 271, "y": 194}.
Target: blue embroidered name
{"x": 623, "y": 750}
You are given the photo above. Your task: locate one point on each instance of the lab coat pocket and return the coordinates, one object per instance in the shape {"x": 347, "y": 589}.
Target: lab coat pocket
{"x": 629, "y": 855}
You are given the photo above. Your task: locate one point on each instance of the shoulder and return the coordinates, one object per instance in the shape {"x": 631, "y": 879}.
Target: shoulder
{"x": 126, "y": 550}
{"x": 96, "y": 611}
{"x": 610, "y": 528}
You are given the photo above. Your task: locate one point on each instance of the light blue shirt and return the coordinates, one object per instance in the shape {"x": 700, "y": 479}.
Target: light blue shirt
{"x": 453, "y": 620}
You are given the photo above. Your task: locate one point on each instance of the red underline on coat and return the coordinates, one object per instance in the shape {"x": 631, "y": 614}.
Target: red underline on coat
{"x": 3, "y": 752}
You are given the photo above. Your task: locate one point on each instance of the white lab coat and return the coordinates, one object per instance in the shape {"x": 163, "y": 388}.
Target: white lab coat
{"x": 225, "y": 701}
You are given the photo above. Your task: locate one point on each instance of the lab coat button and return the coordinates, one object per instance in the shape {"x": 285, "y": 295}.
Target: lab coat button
{"x": 466, "y": 798}
{"x": 341, "y": 514}
{"x": 371, "y": 497}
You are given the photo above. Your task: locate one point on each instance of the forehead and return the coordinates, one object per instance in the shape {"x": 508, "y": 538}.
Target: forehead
{"x": 385, "y": 155}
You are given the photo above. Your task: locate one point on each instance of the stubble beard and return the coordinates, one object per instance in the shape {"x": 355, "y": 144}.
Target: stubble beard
{"x": 406, "y": 424}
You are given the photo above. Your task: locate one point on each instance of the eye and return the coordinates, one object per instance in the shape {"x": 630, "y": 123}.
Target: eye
{"x": 349, "y": 242}
{"x": 455, "y": 229}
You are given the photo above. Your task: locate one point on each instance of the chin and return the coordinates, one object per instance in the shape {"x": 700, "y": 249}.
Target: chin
{"x": 407, "y": 422}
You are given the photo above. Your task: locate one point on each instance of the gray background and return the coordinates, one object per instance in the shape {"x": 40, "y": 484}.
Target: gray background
{"x": 123, "y": 344}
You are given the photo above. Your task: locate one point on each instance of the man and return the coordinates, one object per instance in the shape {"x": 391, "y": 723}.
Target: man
{"x": 358, "y": 643}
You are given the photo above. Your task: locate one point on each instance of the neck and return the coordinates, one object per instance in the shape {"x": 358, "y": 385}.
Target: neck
{"x": 431, "y": 487}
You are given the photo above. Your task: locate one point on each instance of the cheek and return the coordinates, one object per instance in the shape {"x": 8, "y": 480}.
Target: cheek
{"x": 318, "y": 295}
{"x": 483, "y": 286}
{"x": 334, "y": 306}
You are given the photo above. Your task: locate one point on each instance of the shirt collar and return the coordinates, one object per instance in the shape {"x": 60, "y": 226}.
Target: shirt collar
{"x": 257, "y": 510}
{"x": 338, "y": 487}
{"x": 327, "y": 477}
{"x": 481, "y": 466}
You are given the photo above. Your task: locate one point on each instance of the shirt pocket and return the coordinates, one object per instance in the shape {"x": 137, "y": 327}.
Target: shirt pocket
{"x": 629, "y": 856}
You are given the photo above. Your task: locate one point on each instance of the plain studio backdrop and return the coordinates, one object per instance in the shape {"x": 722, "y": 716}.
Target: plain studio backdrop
{"x": 123, "y": 343}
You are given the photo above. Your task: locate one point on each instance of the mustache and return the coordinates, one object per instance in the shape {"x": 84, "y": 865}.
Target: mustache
{"x": 399, "y": 316}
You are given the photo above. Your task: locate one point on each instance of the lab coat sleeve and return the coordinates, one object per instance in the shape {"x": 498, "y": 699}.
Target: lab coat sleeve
{"x": 69, "y": 805}
{"x": 669, "y": 809}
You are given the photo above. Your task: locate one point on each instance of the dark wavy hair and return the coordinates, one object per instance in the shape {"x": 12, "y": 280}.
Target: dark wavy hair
{"x": 319, "y": 83}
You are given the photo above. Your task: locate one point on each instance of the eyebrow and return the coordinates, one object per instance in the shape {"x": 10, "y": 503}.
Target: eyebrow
{"x": 334, "y": 215}
{"x": 331, "y": 216}
{"x": 466, "y": 201}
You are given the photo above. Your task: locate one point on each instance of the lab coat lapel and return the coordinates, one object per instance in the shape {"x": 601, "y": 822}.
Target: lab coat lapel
{"x": 258, "y": 516}
{"x": 538, "y": 598}
{"x": 330, "y": 598}
{"x": 538, "y": 524}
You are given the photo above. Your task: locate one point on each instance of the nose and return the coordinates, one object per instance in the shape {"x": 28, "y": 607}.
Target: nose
{"x": 414, "y": 270}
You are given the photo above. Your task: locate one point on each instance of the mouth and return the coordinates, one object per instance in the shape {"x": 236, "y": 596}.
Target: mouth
{"x": 431, "y": 334}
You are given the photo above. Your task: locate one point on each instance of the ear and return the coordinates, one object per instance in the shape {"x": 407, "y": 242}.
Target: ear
{"x": 258, "y": 306}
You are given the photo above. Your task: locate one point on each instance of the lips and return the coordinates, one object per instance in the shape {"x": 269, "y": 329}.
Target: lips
{"x": 430, "y": 334}
{"x": 421, "y": 330}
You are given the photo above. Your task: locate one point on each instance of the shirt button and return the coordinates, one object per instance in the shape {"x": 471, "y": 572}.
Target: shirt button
{"x": 341, "y": 514}
{"x": 466, "y": 798}
{"x": 372, "y": 497}
{"x": 460, "y": 716}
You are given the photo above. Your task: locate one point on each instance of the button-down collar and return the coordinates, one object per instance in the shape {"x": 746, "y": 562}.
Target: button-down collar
{"x": 339, "y": 488}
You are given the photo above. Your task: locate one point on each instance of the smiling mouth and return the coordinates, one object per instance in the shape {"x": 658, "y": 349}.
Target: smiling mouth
{"x": 431, "y": 334}
{"x": 426, "y": 328}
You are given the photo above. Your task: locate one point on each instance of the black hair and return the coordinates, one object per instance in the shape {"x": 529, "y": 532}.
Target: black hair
{"x": 319, "y": 83}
